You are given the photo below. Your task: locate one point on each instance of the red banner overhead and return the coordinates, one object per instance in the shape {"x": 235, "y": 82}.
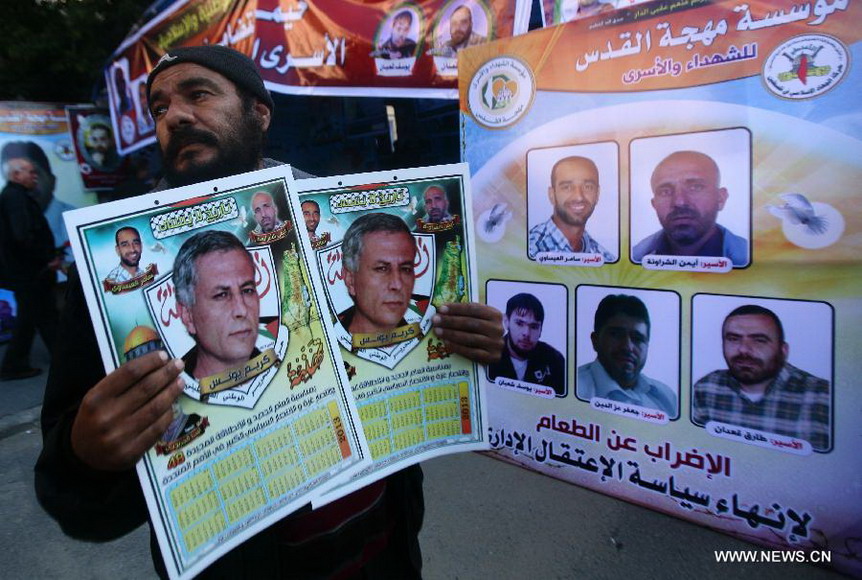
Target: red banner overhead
{"x": 324, "y": 47}
{"x": 184, "y": 23}
{"x": 376, "y": 48}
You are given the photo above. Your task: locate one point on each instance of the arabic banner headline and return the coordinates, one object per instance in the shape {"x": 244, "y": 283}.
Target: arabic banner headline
{"x": 608, "y": 469}
{"x": 657, "y": 46}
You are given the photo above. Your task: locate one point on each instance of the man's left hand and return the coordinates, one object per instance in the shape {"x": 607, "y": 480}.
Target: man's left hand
{"x": 472, "y": 329}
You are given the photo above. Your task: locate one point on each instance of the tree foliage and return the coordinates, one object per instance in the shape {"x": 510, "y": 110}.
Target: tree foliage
{"x": 55, "y": 50}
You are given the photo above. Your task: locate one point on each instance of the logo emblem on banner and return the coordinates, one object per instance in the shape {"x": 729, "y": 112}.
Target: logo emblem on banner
{"x": 501, "y": 92}
{"x": 806, "y": 66}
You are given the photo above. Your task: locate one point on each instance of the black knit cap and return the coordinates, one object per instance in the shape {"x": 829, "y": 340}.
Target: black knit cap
{"x": 233, "y": 65}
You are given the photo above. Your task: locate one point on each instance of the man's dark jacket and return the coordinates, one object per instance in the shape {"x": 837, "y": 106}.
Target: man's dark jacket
{"x": 545, "y": 366}
{"x": 26, "y": 242}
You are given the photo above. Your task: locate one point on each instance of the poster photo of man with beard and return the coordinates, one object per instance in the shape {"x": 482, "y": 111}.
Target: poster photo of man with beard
{"x": 691, "y": 196}
{"x": 763, "y": 368}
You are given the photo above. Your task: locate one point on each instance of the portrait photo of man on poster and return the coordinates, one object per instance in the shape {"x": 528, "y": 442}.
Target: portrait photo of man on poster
{"x": 573, "y": 204}
{"x": 214, "y": 278}
{"x": 128, "y": 274}
{"x": 219, "y": 310}
{"x": 628, "y": 348}
{"x": 691, "y": 196}
{"x": 266, "y": 214}
{"x": 95, "y": 141}
{"x": 382, "y": 276}
{"x": 378, "y": 260}
{"x": 764, "y": 365}
{"x": 535, "y": 340}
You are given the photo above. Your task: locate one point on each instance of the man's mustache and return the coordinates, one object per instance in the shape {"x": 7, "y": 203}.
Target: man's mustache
{"x": 183, "y": 136}
{"x": 683, "y": 212}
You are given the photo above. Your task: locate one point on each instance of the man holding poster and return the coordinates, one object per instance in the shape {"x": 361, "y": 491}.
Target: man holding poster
{"x": 212, "y": 112}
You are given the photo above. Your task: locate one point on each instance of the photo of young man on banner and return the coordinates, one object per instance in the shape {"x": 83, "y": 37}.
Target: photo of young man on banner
{"x": 397, "y": 41}
{"x": 573, "y": 205}
{"x": 535, "y": 356}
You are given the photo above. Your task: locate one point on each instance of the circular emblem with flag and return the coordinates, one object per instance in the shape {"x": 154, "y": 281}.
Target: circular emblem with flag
{"x": 806, "y": 66}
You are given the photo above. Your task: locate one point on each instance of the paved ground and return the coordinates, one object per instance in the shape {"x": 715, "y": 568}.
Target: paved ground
{"x": 485, "y": 519}
{"x": 27, "y": 394}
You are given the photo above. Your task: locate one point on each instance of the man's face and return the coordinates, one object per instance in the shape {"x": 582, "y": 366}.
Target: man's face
{"x": 203, "y": 129}
{"x": 45, "y": 182}
{"x": 687, "y": 196}
{"x": 436, "y": 204}
{"x": 383, "y": 282}
{"x": 100, "y": 140}
{"x": 575, "y": 191}
{"x": 752, "y": 348}
{"x": 311, "y": 215}
{"x": 460, "y": 25}
{"x": 25, "y": 174}
{"x": 400, "y": 29}
{"x": 129, "y": 248}
{"x": 524, "y": 332}
{"x": 224, "y": 317}
{"x": 265, "y": 213}
{"x": 621, "y": 346}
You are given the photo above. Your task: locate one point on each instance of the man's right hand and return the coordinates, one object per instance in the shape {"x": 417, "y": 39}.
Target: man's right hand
{"x": 127, "y": 412}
